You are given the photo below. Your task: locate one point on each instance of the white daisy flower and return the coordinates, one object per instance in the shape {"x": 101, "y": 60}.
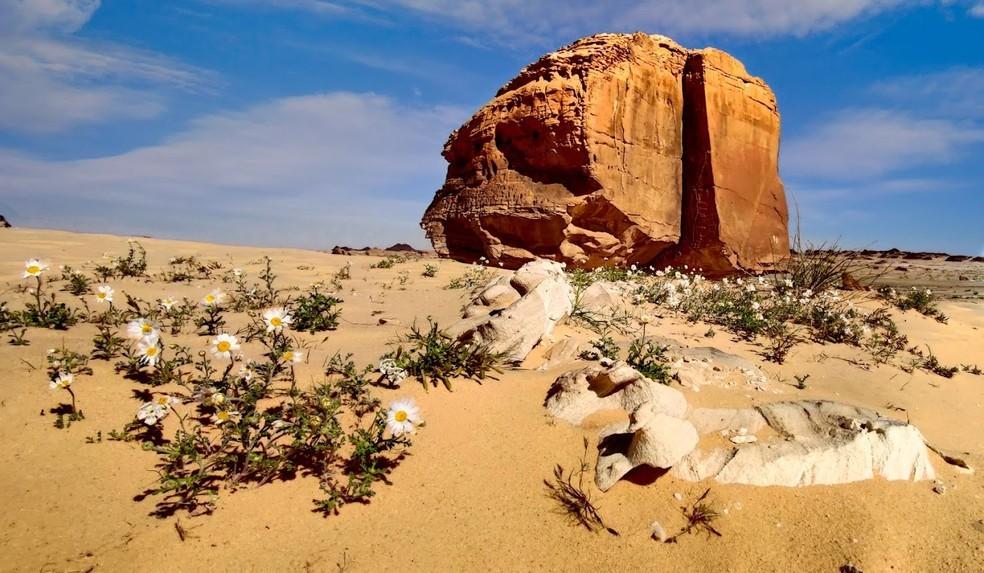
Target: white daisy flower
{"x": 34, "y": 268}
{"x": 141, "y": 328}
{"x": 104, "y": 294}
{"x": 223, "y": 416}
{"x": 213, "y": 298}
{"x": 238, "y": 272}
{"x": 224, "y": 345}
{"x": 293, "y": 356}
{"x": 216, "y": 399}
{"x": 277, "y": 319}
{"x": 64, "y": 380}
{"x": 402, "y": 417}
{"x": 149, "y": 350}
{"x": 167, "y": 303}
{"x": 150, "y": 413}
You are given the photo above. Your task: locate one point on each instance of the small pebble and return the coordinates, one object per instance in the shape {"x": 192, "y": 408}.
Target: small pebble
{"x": 678, "y": 496}
{"x": 657, "y": 532}
{"x": 940, "y": 487}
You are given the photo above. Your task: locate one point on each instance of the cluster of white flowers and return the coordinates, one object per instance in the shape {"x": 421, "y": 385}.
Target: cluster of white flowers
{"x": 156, "y": 410}
{"x": 62, "y": 381}
{"x": 391, "y": 371}
{"x": 147, "y": 336}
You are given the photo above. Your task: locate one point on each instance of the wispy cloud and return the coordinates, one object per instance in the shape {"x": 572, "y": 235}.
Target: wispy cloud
{"x": 955, "y": 93}
{"x": 305, "y": 171}
{"x": 977, "y": 10}
{"x": 52, "y": 80}
{"x": 869, "y": 143}
{"x": 546, "y": 20}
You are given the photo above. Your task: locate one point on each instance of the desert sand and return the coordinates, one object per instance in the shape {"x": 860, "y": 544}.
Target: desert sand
{"x": 470, "y": 495}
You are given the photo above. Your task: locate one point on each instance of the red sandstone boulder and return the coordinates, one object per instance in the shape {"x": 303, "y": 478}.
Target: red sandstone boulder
{"x": 592, "y": 155}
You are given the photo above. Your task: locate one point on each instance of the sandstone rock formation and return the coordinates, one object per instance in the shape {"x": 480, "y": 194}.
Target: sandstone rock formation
{"x": 618, "y": 149}
{"x": 782, "y": 443}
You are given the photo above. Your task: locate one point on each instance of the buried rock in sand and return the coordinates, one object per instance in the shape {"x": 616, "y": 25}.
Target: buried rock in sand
{"x": 816, "y": 442}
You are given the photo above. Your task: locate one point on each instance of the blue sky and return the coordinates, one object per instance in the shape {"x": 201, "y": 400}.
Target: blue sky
{"x": 313, "y": 123}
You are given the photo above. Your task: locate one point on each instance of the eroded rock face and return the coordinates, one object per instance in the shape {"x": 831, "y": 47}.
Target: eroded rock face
{"x": 584, "y": 157}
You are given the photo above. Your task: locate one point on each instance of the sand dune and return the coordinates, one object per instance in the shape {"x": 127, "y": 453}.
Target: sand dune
{"x": 470, "y": 496}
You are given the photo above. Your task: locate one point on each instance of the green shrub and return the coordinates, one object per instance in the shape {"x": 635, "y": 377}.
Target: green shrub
{"x": 316, "y": 312}
{"x": 433, "y": 356}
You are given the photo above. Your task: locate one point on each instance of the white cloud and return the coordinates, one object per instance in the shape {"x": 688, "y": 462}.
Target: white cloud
{"x": 53, "y": 80}
{"x": 868, "y": 143}
{"x": 955, "y": 93}
{"x": 305, "y": 171}
{"x": 977, "y": 10}
{"x": 548, "y": 19}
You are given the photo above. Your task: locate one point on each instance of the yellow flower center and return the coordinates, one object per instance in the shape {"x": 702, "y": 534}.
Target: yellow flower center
{"x": 400, "y": 416}
{"x": 224, "y": 416}
{"x": 162, "y": 400}
{"x": 151, "y": 351}
{"x": 101, "y": 295}
{"x": 223, "y": 346}
{"x": 33, "y": 269}
{"x": 209, "y": 299}
{"x": 146, "y": 328}
{"x": 276, "y": 321}
{"x": 289, "y": 356}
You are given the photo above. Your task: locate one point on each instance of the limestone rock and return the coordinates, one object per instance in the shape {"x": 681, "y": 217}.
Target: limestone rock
{"x": 541, "y": 296}
{"x": 654, "y": 440}
{"x": 819, "y": 442}
{"x": 577, "y": 394}
{"x": 618, "y": 149}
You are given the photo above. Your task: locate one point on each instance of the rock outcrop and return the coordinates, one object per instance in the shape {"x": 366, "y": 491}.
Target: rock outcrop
{"x": 782, "y": 443}
{"x": 618, "y": 149}
{"x": 4, "y": 224}
{"x": 513, "y": 313}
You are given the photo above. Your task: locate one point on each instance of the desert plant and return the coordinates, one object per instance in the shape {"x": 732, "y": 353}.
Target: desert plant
{"x": 605, "y": 346}
{"x": 922, "y": 301}
{"x": 315, "y": 311}
{"x": 430, "y": 270}
{"x": 700, "y": 517}
{"x": 573, "y": 501}
{"x": 649, "y": 358}
{"x": 44, "y": 311}
{"x": 434, "y": 356}
{"x": 76, "y": 283}
{"x": 931, "y": 363}
{"x": 476, "y": 277}
{"x": 133, "y": 264}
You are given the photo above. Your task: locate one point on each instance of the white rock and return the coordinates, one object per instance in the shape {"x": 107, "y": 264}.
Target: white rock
{"x": 660, "y": 442}
{"x": 545, "y": 298}
{"x": 657, "y": 532}
{"x": 580, "y": 393}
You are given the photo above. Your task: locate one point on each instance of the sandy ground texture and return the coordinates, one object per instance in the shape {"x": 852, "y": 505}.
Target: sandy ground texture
{"x": 471, "y": 494}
